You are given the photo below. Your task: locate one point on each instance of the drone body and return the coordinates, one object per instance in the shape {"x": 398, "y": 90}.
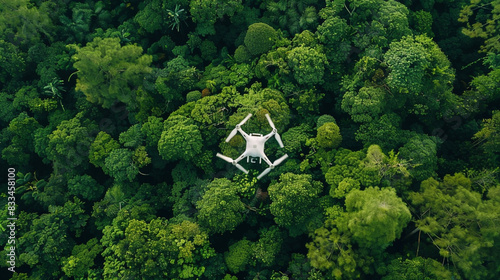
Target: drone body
{"x": 255, "y": 147}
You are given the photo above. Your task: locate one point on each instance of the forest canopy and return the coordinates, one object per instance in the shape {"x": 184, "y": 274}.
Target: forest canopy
{"x": 113, "y": 112}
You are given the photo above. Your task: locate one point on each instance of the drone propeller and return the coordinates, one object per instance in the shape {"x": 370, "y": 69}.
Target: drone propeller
{"x": 275, "y": 163}
{"x": 241, "y": 168}
{"x": 245, "y": 120}
{"x": 230, "y": 160}
{"x": 278, "y": 138}
{"x": 235, "y": 130}
{"x": 232, "y": 134}
{"x": 276, "y": 135}
{"x": 280, "y": 160}
{"x": 226, "y": 158}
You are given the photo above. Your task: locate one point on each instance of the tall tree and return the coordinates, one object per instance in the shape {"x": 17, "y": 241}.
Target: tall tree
{"x": 24, "y": 23}
{"x": 108, "y": 72}
{"x": 180, "y": 139}
{"x": 460, "y": 224}
{"x": 51, "y": 238}
{"x": 375, "y": 217}
{"x": 417, "y": 65}
{"x": 294, "y": 201}
{"x": 206, "y": 12}
{"x": 220, "y": 209}
{"x": 489, "y": 135}
{"x": 69, "y": 144}
{"x": 307, "y": 64}
{"x": 482, "y": 22}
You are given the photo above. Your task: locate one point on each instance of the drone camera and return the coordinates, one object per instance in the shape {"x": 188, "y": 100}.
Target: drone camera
{"x": 254, "y": 159}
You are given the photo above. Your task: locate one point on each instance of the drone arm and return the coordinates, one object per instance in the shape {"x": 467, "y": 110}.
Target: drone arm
{"x": 234, "y": 132}
{"x": 269, "y": 135}
{"x": 243, "y": 133}
{"x": 244, "y": 155}
{"x": 264, "y": 157}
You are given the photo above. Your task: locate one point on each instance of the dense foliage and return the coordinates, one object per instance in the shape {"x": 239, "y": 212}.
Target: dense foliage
{"x": 112, "y": 113}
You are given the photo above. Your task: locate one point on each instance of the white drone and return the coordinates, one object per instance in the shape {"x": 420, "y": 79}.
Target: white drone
{"x": 255, "y": 147}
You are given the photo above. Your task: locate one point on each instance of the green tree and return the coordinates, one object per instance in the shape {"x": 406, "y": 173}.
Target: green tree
{"x": 132, "y": 137}
{"x": 161, "y": 14}
{"x": 482, "y": 22}
{"x": 152, "y": 130}
{"x": 328, "y": 136}
{"x": 375, "y": 217}
{"x": 349, "y": 173}
{"x": 334, "y": 34}
{"x": 460, "y": 224}
{"x": 85, "y": 187}
{"x": 101, "y": 148}
{"x": 108, "y": 72}
{"x": 408, "y": 61}
{"x": 259, "y": 102}
{"x": 51, "y": 238}
{"x": 155, "y": 249}
{"x": 239, "y": 255}
{"x": 220, "y": 209}
{"x": 421, "y": 152}
{"x": 193, "y": 96}
{"x": 12, "y": 63}
{"x": 324, "y": 119}
{"x": 69, "y": 144}
{"x": 385, "y": 131}
{"x": 392, "y": 170}
{"x": 260, "y": 38}
{"x": 293, "y": 16}
{"x": 267, "y": 249}
{"x": 22, "y": 128}
{"x": 180, "y": 139}
{"x": 422, "y": 23}
{"x": 417, "y": 65}
{"x": 294, "y": 139}
{"x": 206, "y": 12}
{"x": 55, "y": 89}
{"x": 307, "y": 64}
{"x": 129, "y": 251}
{"x": 25, "y": 23}
{"x": 20, "y": 132}
{"x": 331, "y": 250}
{"x": 365, "y": 105}
{"x": 170, "y": 85}
{"x": 373, "y": 25}
{"x": 294, "y": 201}
{"x": 241, "y": 54}
{"x": 349, "y": 242}
{"x": 489, "y": 135}
{"x": 120, "y": 165}
{"x": 82, "y": 259}
{"x": 415, "y": 269}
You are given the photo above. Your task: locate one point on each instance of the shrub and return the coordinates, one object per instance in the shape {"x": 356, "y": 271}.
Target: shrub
{"x": 241, "y": 54}
{"x": 260, "y": 38}
{"x": 193, "y": 95}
